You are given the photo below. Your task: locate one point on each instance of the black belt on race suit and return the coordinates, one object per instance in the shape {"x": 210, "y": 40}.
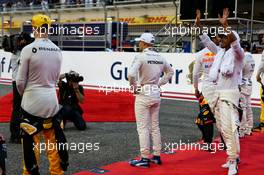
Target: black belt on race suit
{"x": 32, "y": 125}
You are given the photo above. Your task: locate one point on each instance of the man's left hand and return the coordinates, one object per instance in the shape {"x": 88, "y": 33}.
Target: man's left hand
{"x": 223, "y": 20}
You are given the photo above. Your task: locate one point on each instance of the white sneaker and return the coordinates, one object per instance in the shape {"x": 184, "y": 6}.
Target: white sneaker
{"x": 232, "y": 168}
{"x": 241, "y": 134}
{"x": 248, "y": 132}
{"x": 228, "y": 163}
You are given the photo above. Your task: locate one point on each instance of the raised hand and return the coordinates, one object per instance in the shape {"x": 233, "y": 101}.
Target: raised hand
{"x": 198, "y": 18}
{"x": 223, "y": 19}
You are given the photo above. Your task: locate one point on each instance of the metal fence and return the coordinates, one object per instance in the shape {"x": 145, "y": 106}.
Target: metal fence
{"x": 120, "y": 40}
{"x": 123, "y": 39}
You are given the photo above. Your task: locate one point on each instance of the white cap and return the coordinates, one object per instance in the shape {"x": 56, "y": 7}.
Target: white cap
{"x": 234, "y": 32}
{"x": 147, "y": 38}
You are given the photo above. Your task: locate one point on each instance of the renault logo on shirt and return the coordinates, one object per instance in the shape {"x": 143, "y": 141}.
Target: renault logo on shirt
{"x": 48, "y": 49}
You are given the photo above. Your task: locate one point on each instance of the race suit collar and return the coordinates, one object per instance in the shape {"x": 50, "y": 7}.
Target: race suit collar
{"x": 149, "y": 49}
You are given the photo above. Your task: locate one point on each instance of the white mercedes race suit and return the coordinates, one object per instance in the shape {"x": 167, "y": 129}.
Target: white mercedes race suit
{"x": 227, "y": 74}
{"x": 246, "y": 124}
{"x": 261, "y": 71}
{"x": 148, "y": 66}
{"x": 203, "y": 62}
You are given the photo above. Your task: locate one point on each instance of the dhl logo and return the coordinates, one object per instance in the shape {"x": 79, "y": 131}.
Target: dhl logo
{"x": 161, "y": 19}
{"x": 151, "y": 19}
{"x": 132, "y": 20}
{"x": 128, "y": 20}
{"x": 12, "y": 25}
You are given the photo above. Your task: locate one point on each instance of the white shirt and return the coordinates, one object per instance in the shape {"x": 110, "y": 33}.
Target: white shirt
{"x": 203, "y": 61}
{"x": 38, "y": 72}
{"x": 229, "y": 80}
{"x": 261, "y": 68}
{"x": 148, "y": 67}
{"x": 248, "y": 68}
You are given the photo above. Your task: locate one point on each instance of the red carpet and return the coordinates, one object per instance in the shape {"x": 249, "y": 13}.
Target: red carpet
{"x": 98, "y": 107}
{"x": 198, "y": 162}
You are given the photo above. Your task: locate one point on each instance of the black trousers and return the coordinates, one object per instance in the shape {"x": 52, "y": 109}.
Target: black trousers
{"x": 16, "y": 114}
{"x": 207, "y": 132}
{"x": 2, "y": 158}
{"x": 71, "y": 113}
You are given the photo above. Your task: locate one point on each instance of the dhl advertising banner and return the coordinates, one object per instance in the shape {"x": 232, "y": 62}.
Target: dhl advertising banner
{"x": 14, "y": 24}
{"x": 134, "y": 20}
{"x": 130, "y": 20}
{"x": 109, "y": 70}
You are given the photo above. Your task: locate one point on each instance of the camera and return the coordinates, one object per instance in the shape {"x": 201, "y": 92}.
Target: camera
{"x": 74, "y": 77}
{"x": 13, "y": 43}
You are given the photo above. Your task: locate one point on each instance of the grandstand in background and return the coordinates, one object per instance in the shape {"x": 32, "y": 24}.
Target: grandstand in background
{"x": 121, "y": 21}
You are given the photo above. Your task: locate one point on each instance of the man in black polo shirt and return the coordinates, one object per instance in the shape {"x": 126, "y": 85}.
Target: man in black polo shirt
{"x": 70, "y": 95}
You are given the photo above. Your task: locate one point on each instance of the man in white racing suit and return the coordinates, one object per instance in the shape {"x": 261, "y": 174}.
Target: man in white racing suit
{"x": 226, "y": 71}
{"x": 260, "y": 79}
{"x": 38, "y": 73}
{"x": 246, "y": 124}
{"x": 203, "y": 62}
{"x": 147, "y": 67}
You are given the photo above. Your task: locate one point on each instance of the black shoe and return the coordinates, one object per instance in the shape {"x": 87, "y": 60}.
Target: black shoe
{"x": 156, "y": 160}
{"x": 238, "y": 160}
{"x": 143, "y": 163}
{"x": 259, "y": 128}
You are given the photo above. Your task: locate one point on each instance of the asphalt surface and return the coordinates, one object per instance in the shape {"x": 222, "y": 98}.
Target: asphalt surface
{"x": 116, "y": 141}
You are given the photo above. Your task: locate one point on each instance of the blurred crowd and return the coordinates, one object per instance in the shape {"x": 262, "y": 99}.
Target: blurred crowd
{"x": 31, "y": 4}
{"x": 45, "y": 4}
{"x": 258, "y": 46}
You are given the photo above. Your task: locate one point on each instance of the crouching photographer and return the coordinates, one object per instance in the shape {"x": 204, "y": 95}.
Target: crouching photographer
{"x": 70, "y": 95}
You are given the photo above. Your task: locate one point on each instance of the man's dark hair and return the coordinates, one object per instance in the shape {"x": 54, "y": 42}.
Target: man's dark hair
{"x": 211, "y": 36}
